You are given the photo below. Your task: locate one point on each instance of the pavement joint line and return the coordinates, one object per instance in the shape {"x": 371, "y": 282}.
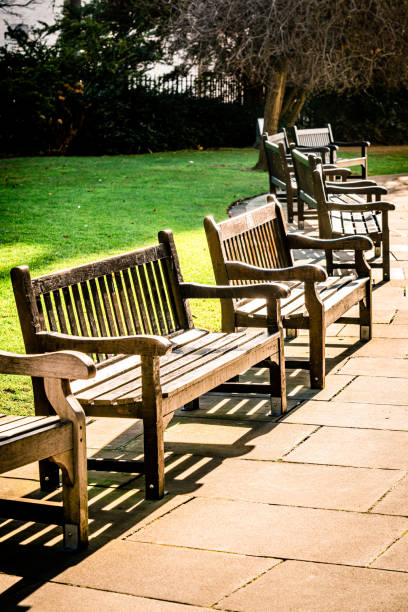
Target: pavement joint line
{"x": 318, "y": 427}
{"x": 387, "y": 492}
{"x": 365, "y": 467}
{"x": 344, "y": 387}
{"x": 243, "y": 586}
{"x": 158, "y": 599}
{"x": 389, "y": 546}
{"x": 279, "y": 558}
{"x": 263, "y": 503}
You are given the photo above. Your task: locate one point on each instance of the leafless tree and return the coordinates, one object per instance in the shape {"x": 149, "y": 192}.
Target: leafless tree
{"x": 12, "y": 7}
{"x": 294, "y": 47}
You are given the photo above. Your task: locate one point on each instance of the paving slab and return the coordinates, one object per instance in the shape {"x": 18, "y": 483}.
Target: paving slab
{"x": 354, "y": 447}
{"x": 316, "y": 486}
{"x": 396, "y": 500}
{"x": 350, "y": 414}
{"x": 316, "y": 587}
{"x": 378, "y": 347}
{"x": 65, "y": 598}
{"x": 392, "y": 330}
{"x": 183, "y": 575}
{"x": 395, "y": 557}
{"x": 223, "y": 438}
{"x": 112, "y": 432}
{"x": 235, "y": 407}
{"x": 276, "y": 531}
{"x": 370, "y": 366}
{"x": 375, "y": 390}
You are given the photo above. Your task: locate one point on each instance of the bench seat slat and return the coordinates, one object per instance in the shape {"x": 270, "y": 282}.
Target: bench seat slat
{"x": 14, "y": 428}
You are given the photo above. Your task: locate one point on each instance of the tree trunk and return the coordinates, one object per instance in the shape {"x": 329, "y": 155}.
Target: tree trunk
{"x": 275, "y": 92}
{"x": 296, "y": 108}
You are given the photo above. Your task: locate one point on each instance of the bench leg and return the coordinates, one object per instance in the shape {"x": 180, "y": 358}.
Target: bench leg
{"x": 386, "y": 246}
{"x": 193, "y": 405}
{"x": 329, "y": 262}
{"x": 317, "y": 336}
{"x": 74, "y": 495}
{"x": 289, "y": 203}
{"x": 153, "y": 458}
{"x": 277, "y": 377}
{"x": 301, "y": 217}
{"x": 366, "y": 316}
{"x": 49, "y": 475}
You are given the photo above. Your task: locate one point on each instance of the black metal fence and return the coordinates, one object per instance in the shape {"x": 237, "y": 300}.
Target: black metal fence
{"x": 224, "y": 89}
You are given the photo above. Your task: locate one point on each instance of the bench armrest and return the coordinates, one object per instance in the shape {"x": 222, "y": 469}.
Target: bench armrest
{"x": 368, "y": 190}
{"x": 354, "y": 243}
{"x": 238, "y": 270}
{"x": 323, "y": 148}
{"x": 363, "y": 207}
{"x": 355, "y": 184}
{"x": 121, "y": 345}
{"x": 62, "y": 364}
{"x": 195, "y": 290}
{"x": 359, "y": 143}
{"x": 333, "y": 171}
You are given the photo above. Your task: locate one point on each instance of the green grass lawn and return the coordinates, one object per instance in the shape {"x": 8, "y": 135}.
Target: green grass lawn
{"x": 58, "y": 212}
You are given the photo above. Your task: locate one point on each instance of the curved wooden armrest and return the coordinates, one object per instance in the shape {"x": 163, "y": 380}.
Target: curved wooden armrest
{"x": 354, "y": 243}
{"x": 62, "y": 364}
{"x": 364, "y": 183}
{"x": 195, "y": 290}
{"x": 121, "y": 345}
{"x": 334, "y": 171}
{"x": 307, "y": 272}
{"x": 369, "y": 190}
{"x": 363, "y": 207}
{"x": 311, "y": 149}
{"x": 359, "y": 143}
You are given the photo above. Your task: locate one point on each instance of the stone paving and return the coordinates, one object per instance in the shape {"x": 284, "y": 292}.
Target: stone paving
{"x": 308, "y": 512}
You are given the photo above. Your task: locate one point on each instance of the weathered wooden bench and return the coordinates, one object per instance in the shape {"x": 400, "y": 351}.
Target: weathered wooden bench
{"x": 323, "y": 137}
{"x": 282, "y": 180}
{"x": 132, "y": 312}
{"x": 60, "y": 439}
{"x": 345, "y": 209}
{"x": 256, "y": 246}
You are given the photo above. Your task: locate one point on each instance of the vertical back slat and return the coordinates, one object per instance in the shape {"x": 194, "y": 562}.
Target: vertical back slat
{"x": 70, "y": 311}
{"x": 148, "y": 299}
{"x": 140, "y": 301}
{"x": 131, "y": 299}
{"x": 80, "y": 311}
{"x": 98, "y": 307}
{"x": 155, "y": 298}
{"x": 163, "y": 296}
{"x": 123, "y": 302}
{"x": 49, "y": 309}
{"x": 89, "y": 309}
{"x": 60, "y": 312}
{"x": 117, "y": 314}
{"x": 173, "y": 303}
{"x": 105, "y": 304}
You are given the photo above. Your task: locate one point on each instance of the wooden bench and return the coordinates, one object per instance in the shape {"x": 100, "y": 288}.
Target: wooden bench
{"x": 344, "y": 209}
{"x": 60, "y": 439}
{"x": 323, "y": 137}
{"x": 132, "y": 312}
{"x": 282, "y": 180}
{"x": 256, "y": 246}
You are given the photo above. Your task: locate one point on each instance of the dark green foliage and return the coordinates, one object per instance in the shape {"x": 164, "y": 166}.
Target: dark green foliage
{"x": 146, "y": 121}
{"x": 378, "y": 115}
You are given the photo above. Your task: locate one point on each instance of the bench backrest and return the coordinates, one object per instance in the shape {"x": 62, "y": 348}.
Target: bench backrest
{"x": 311, "y": 187}
{"x": 257, "y": 237}
{"x": 133, "y": 293}
{"x": 313, "y": 137}
{"x": 277, "y": 168}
